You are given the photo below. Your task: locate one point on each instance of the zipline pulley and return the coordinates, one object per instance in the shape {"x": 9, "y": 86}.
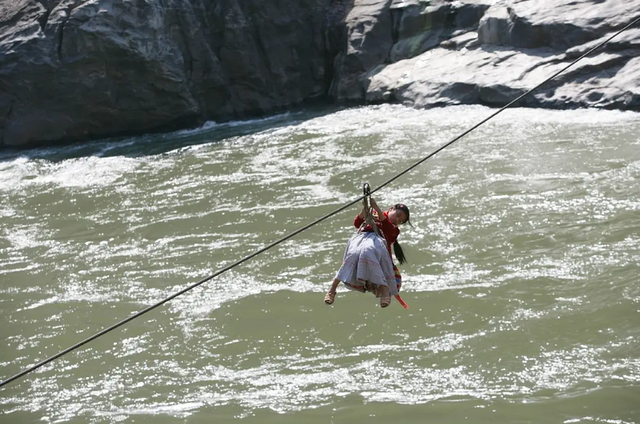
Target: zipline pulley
{"x": 368, "y": 209}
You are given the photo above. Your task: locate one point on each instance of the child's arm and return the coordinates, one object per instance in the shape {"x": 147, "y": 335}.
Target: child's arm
{"x": 359, "y": 220}
{"x": 375, "y": 206}
{"x": 362, "y": 213}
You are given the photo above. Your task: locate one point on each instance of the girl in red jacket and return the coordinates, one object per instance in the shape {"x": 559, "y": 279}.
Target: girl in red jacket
{"x": 368, "y": 264}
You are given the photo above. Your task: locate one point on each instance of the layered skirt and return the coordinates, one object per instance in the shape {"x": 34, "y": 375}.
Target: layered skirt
{"x": 367, "y": 260}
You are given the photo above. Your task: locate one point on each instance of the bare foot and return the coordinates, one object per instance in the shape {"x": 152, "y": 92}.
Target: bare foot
{"x": 385, "y": 299}
{"x": 330, "y": 297}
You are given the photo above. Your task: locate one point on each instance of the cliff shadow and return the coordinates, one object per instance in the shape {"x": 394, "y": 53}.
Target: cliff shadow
{"x": 335, "y": 37}
{"x": 161, "y": 143}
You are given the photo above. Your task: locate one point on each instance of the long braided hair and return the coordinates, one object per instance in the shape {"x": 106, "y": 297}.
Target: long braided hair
{"x": 397, "y": 249}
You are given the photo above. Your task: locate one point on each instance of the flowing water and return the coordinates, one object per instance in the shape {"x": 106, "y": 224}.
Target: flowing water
{"x": 522, "y": 283}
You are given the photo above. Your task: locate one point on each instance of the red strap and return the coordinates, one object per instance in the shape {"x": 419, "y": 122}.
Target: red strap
{"x": 402, "y": 302}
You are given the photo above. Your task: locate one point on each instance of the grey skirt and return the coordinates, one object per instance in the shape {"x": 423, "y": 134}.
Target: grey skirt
{"x": 366, "y": 258}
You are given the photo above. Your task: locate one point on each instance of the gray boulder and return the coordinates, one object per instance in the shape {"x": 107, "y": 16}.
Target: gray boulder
{"x": 510, "y": 48}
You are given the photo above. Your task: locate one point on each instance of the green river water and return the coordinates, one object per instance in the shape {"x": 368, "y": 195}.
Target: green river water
{"x": 523, "y": 279}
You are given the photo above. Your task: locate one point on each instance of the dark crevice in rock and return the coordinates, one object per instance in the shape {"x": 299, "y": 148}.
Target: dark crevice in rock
{"x": 59, "y": 39}
{"x": 60, "y": 31}
{"x": 335, "y": 35}
{"x": 49, "y": 6}
{"x": 396, "y": 18}
{"x": 42, "y": 20}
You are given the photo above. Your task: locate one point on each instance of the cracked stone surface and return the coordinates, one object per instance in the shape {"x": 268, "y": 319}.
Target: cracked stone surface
{"x": 83, "y": 69}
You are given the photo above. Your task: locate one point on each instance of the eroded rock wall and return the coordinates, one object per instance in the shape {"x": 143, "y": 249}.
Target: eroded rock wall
{"x": 489, "y": 52}
{"x": 83, "y": 69}
{"x": 80, "y": 69}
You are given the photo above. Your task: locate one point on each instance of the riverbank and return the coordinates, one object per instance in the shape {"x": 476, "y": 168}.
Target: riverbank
{"x": 76, "y": 70}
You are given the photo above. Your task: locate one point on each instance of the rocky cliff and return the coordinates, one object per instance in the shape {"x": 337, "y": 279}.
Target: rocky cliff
{"x": 491, "y": 52}
{"x": 81, "y": 69}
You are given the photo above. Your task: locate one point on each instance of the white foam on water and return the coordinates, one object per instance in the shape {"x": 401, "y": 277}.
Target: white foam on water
{"x": 70, "y": 173}
{"x": 86, "y": 172}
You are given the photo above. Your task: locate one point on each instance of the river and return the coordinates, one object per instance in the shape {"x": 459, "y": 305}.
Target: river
{"x": 522, "y": 283}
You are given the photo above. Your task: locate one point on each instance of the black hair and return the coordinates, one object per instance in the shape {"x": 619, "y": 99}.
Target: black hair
{"x": 397, "y": 250}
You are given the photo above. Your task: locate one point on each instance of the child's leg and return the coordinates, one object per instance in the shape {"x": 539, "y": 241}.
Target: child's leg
{"x": 334, "y": 285}
{"x": 330, "y": 297}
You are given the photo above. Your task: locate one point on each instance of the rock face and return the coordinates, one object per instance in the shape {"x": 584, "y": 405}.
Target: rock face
{"x": 82, "y": 69}
{"x": 492, "y": 53}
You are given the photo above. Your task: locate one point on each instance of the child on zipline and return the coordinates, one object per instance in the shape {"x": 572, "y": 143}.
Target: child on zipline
{"x": 368, "y": 264}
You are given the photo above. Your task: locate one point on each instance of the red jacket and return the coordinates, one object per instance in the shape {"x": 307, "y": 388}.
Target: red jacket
{"x": 388, "y": 230}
